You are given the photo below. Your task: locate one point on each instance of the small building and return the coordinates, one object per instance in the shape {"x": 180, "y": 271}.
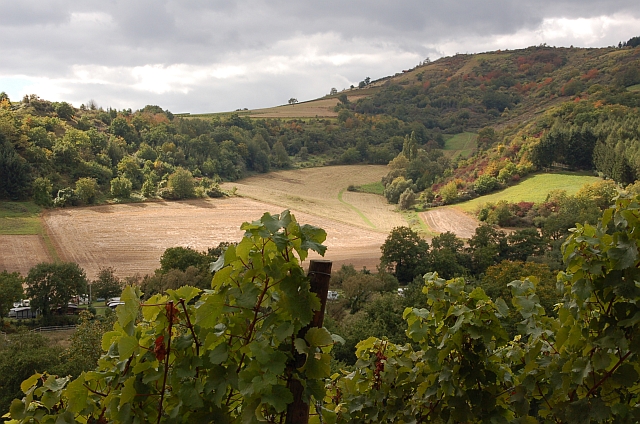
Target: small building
{"x": 22, "y": 312}
{"x": 71, "y": 309}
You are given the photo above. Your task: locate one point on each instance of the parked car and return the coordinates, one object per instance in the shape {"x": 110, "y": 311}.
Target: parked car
{"x": 114, "y": 302}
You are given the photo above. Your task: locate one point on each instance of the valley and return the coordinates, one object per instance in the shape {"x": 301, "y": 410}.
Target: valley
{"x": 131, "y": 237}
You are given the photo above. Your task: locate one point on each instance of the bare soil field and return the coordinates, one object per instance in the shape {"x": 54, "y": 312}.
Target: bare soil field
{"x": 381, "y": 214}
{"x": 132, "y": 237}
{"x": 21, "y": 252}
{"x": 441, "y": 220}
{"x": 322, "y": 108}
{"x": 322, "y": 191}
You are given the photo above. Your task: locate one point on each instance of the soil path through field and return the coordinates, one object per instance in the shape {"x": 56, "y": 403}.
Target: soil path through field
{"x": 358, "y": 211}
{"x": 322, "y": 191}
{"x": 445, "y": 219}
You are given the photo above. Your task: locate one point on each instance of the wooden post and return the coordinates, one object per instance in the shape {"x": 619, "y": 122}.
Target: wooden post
{"x": 319, "y": 275}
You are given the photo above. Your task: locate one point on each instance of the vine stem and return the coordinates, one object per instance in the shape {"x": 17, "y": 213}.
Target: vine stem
{"x": 544, "y": 337}
{"x": 193, "y": 333}
{"x": 93, "y": 391}
{"x": 166, "y": 360}
{"x": 190, "y": 327}
{"x": 546, "y": 401}
{"x": 256, "y": 313}
{"x": 608, "y": 374}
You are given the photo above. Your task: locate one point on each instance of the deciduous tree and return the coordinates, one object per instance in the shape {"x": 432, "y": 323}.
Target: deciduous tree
{"x": 121, "y": 187}
{"x": 182, "y": 184}
{"x": 106, "y": 285}
{"x": 10, "y": 291}
{"x": 86, "y": 190}
{"x": 404, "y": 251}
{"x": 52, "y": 285}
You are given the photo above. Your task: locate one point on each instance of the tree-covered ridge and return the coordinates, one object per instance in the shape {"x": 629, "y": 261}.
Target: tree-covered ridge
{"x": 532, "y": 108}
{"x": 473, "y": 91}
{"x": 82, "y": 155}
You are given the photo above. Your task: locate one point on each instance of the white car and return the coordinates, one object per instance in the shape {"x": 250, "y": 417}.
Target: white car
{"x": 114, "y": 302}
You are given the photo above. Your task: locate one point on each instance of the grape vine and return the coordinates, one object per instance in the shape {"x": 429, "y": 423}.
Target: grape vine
{"x": 221, "y": 355}
{"x": 230, "y": 354}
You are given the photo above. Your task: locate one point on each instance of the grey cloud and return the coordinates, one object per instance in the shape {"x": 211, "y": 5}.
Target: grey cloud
{"x": 199, "y": 31}
{"x": 32, "y": 12}
{"x": 144, "y": 21}
{"x": 41, "y": 38}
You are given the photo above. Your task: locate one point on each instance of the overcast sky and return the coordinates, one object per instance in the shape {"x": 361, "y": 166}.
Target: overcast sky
{"x": 219, "y": 55}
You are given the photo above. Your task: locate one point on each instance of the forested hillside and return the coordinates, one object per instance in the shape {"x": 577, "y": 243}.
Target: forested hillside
{"x": 532, "y": 109}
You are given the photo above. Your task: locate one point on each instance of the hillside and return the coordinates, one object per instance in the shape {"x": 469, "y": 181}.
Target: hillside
{"x": 445, "y": 123}
{"x": 466, "y": 90}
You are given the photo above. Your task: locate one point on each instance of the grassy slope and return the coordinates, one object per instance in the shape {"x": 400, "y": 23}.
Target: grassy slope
{"x": 372, "y": 188}
{"x": 23, "y": 218}
{"x": 533, "y": 189}
{"x": 461, "y": 144}
{"x": 20, "y": 218}
{"x": 317, "y": 108}
{"x": 634, "y": 87}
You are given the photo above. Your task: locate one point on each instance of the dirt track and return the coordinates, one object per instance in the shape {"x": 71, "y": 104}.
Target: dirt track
{"x": 132, "y": 237}
{"x": 441, "y": 220}
{"x": 322, "y": 192}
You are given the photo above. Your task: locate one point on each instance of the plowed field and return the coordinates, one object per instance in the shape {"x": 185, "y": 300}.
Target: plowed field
{"x": 21, "y": 252}
{"x": 132, "y": 237}
{"x": 442, "y": 220}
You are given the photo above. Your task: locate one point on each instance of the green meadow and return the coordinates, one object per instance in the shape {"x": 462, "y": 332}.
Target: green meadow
{"x": 634, "y": 88}
{"x": 533, "y": 189}
{"x": 462, "y": 144}
{"x": 19, "y": 218}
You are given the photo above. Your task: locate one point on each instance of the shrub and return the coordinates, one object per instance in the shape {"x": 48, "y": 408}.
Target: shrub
{"x": 148, "y": 189}
{"x": 572, "y": 88}
{"x": 182, "y": 184}
{"x": 393, "y": 191}
{"x": 66, "y": 197}
{"x": 407, "y": 199}
{"x": 215, "y": 191}
{"x": 64, "y": 110}
{"x": 449, "y": 193}
{"x": 121, "y": 187}
{"x": 167, "y": 193}
{"x": 485, "y": 184}
{"x": 500, "y": 215}
{"x": 42, "y": 192}
{"x": 86, "y": 190}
